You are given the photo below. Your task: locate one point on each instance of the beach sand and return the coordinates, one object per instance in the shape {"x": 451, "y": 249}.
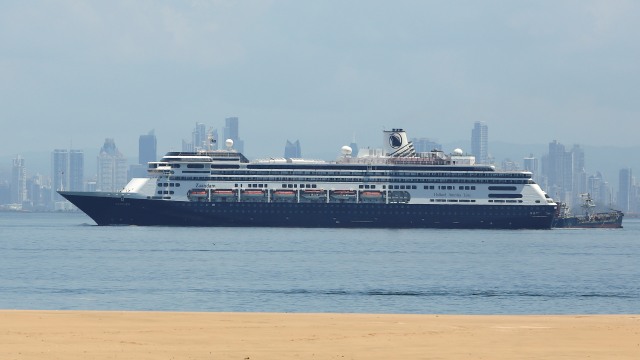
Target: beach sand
{"x": 255, "y": 336}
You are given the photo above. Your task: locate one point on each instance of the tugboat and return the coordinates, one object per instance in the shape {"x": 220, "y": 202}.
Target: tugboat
{"x": 590, "y": 219}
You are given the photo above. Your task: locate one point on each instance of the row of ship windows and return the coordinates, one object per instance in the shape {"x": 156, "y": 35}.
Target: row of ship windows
{"x": 384, "y": 187}
{"x": 171, "y": 192}
{"x": 478, "y": 174}
{"x": 350, "y": 173}
{"x": 467, "y": 181}
{"x": 391, "y": 187}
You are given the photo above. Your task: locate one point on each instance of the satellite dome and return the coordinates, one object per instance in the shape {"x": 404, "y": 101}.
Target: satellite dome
{"x": 229, "y": 143}
{"x": 346, "y": 150}
{"x": 458, "y": 151}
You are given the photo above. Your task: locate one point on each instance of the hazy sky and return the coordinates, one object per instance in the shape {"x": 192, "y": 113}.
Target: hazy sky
{"x": 318, "y": 71}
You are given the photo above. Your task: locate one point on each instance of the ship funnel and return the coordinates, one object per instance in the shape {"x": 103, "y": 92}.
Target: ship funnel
{"x": 396, "y": 144}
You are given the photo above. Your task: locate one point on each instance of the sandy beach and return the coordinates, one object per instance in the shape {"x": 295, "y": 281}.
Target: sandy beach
{"x": 176, "y": 335}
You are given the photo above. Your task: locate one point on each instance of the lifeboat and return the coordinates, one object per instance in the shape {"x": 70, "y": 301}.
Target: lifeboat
{"x": 254, "y": 195}
{"x": 371, "y": 196}
{"x": 224, "y": 195}
{"x": 343, "y": 195}
{"x": 313, "y": 195}
{"x": 283, "y": 195}
{"x": 197, "y": 195}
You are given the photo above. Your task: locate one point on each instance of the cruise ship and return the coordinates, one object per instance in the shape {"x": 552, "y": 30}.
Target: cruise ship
{"x": 391, "y": 187}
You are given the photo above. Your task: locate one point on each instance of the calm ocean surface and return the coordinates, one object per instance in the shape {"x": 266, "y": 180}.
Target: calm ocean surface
{"x": 64, "y": 261}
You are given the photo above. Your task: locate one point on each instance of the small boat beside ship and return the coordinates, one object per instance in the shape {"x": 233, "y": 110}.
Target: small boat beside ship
{"x": 590, "y": 218}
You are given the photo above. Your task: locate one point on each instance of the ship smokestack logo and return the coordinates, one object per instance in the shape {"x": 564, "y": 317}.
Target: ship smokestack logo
{"x": 396, "y": 144}
{"x": 395, "y": 140}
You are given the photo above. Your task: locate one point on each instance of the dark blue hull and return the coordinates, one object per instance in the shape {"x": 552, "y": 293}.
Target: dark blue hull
{"x": 129, "y": 211}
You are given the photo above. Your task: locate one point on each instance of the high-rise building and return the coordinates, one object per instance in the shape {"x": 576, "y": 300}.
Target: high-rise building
{"x": 231, "y": 131}
{"x": 199, "y": 137}
{"x": 531, "y": 164}
{"x": 147, "y": 148}
{"x": 579, "y": 175}
{"x": 555, "y": 170}
{"x": 480, "y": 142}
{"x": 214, "y": 139}
{"x": 624, "y": 190}
{"x": 292, "y": 150}
{"x": 147, "y": 152}
{"x": 354, "y": 149}
{"x": 598, "y": 189}
{"x": 59, "y": 173}
{"x": 510, "y": 165}
{"x": 18, "y": 181}
{"x": 231, "y": 128}
{"x": 112, "y": 168}
{"x": 187, "y": 146}
{"x": 67, "y": 171}
{"x": 565, "y": 174}
{"x": 425, "y": 145}
{"x": 76, "y": 170}
{"x": 38, "y": 193}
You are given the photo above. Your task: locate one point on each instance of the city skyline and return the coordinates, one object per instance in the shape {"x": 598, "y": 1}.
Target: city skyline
{"x": 619, "y": 156}
{"x": 534, "y": 70}
{"x": 561, "y": 172}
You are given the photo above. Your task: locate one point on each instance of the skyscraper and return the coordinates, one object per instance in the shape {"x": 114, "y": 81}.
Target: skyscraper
{"x": 187, "y": 146}
{"x": 202, "y": 139}
{"x": 480, "y": 142}
{"x": 18, "y": 181}
{"x": 425, "y": 145}
{"x": 76, "y": 170}
{"x": 59, "y": 173}
{"x": 147, "y": 152}
{"x": 556, "y": 170}
{"x": 67, "y": 171}
{"x": 292, "y": 150}
{"x": 531, "y": 164}
{"x": 579, "y": 174}
{"x": 231, "y": 131}
{"x": 214, "y": 139}
{"x": 624, "y": 190}
{"x": 112, "y": 168}
{"x": 147, "y": 148}
{"x": 199, "y": 137}
{"x": 565, "y": 174}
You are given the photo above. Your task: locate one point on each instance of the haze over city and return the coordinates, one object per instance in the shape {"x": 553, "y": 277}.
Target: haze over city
{"x": 322, "y": 72}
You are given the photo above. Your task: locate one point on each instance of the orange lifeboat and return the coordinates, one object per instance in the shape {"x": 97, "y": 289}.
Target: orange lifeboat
{"x": 223, "y": 193}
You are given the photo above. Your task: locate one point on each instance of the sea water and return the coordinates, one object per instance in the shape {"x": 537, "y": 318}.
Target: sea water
{"x": 64, "y": 261}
